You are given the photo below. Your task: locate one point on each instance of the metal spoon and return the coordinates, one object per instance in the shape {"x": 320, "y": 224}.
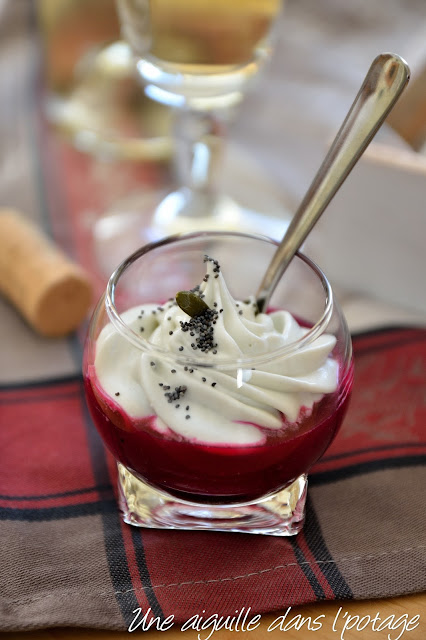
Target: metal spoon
{"x": 382, "y": 86}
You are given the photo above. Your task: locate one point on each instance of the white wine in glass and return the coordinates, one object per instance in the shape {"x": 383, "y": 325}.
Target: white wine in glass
{"x": 198, "y": 53}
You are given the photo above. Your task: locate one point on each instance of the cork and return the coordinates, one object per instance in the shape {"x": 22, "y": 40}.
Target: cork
{"x": 51, "y": 292}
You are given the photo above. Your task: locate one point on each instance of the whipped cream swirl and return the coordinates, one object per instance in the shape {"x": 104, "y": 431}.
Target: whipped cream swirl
{"x": 231, "y": 406}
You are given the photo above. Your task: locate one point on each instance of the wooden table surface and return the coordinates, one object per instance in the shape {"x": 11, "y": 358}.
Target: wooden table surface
{"x": 406, "y": 614}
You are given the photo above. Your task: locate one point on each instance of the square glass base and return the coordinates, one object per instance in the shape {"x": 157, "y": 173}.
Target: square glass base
{"x": 281, "y": 514}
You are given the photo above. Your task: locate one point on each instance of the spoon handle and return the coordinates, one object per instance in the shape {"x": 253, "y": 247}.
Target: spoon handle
{"x": 381, "y": 88}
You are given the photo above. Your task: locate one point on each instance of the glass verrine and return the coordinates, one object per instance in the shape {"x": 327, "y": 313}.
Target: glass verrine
{"x": 215, "y": 413}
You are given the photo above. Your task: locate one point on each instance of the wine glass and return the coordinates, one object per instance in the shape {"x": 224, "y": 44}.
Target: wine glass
{"x": 198, "y": 57}
{"x": 207, "y": 435}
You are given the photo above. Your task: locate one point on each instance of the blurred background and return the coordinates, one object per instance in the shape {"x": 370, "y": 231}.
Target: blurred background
{"x": 77, "y": 132}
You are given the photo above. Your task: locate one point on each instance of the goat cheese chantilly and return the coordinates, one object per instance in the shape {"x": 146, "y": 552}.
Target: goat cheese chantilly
{"x": 215, "y": 434}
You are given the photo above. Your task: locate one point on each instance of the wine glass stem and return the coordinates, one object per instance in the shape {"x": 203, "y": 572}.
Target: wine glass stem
{"x": 199, "y": 140}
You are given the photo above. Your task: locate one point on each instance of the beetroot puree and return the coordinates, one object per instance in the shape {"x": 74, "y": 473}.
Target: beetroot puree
{"x": 217, "y": 473}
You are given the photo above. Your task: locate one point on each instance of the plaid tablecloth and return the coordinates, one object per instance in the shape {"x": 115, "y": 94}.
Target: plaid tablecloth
{"x": 66, "y": 558}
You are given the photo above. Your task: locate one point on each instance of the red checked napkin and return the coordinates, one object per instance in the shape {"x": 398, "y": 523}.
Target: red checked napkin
{"x": 67, "y": 559}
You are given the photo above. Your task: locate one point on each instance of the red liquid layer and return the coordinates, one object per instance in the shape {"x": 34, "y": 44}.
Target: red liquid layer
{"x": 217, "y": 473}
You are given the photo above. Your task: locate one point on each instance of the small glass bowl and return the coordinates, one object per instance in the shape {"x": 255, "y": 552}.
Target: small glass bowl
{"x": 170, "y": 481}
